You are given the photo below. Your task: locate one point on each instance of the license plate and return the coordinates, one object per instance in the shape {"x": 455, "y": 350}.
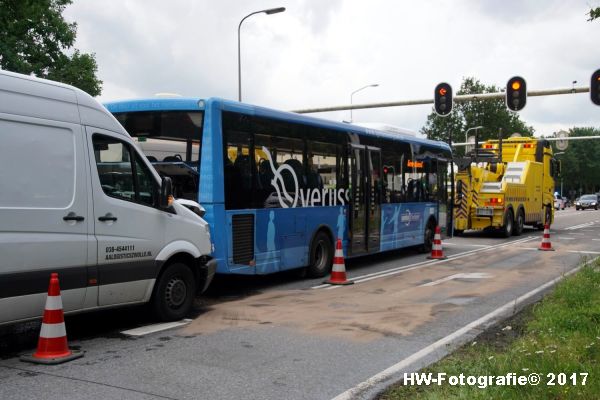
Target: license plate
{"x": 485, "y": 212}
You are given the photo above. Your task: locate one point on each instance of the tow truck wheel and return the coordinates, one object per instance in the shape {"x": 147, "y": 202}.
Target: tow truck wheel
{"x": 458, "y": 232}
{"x": 507, "y": 227}
{"x": 519, "y": 222}
{"x": 548, "y": 216}
{"x": 174, "y": 292}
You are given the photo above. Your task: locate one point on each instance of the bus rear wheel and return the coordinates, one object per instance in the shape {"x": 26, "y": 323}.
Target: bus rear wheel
{"x": 321, "y": 256}
{"x": 428, "y": 236}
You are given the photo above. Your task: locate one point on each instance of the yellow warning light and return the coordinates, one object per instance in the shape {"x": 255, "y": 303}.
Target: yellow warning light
{"x": 516, "y": 85}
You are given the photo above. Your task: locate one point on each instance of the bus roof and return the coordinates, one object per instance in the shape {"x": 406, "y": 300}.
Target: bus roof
{"x": 196, "y": 103}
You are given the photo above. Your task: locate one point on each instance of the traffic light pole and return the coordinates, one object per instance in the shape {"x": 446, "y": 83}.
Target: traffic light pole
{"x": 463, "y": 98}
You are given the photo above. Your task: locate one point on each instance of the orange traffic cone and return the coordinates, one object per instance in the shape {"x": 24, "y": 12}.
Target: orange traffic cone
{"x": 546, "y": 245}
{"x": 437, "y": 253}
{"x": 338, "y": 272}
{"x": 52, "y": 344}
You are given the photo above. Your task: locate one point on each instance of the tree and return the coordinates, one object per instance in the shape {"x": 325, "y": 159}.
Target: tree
{"x": 491, "y": 114}
{"x": 35, "y": 39}
{"x": 580, "y": 163}
{"x": 594, "y": 13}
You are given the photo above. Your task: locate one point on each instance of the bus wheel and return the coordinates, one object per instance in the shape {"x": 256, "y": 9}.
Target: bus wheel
{"x": 321, "y": 256}
{"x": 507, "y": 226}
{"x": 428, "y": 238}
{"x": 174, "y": 292}
{"x": 519, "y": 222}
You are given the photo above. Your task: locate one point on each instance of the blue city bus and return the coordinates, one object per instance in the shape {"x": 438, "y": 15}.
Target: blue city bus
{"x": 280, "y": 188}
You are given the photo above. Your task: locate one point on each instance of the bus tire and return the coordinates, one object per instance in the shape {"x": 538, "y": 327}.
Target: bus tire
{"x": 508, "y": 225}
{"x": 321, "y": 256}
{"x": 519, "y": 222}
{"x": 174, "y": 292}
{"x": 428, "y": 237}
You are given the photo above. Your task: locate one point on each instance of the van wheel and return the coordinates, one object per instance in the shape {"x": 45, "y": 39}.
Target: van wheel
{"x": 519, "y": 222}
{"x": 507, "y": 227}
{"x": 321, "y": 256}
{"x": 174, "y": 293}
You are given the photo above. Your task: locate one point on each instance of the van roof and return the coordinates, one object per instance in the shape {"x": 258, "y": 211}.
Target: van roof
{"x": 41, "y": 98}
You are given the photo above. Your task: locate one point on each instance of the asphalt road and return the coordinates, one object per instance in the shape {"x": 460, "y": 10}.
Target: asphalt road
{"x": 286, "y": 337}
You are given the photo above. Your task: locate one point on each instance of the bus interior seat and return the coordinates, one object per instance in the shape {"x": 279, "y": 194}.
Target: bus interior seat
{"x": 152, "y": 158}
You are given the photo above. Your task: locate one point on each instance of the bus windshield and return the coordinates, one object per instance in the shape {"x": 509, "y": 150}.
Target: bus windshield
{"x": 171, "y": 140}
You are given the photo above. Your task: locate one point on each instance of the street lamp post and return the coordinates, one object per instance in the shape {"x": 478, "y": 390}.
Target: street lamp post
{"x": 268, "y": 12}
{"x": 358, "y": 90}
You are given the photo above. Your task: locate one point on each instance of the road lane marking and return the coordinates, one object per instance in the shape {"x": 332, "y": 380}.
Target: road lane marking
{"x": 410, "y": 267}
{"x": 465, "y": 244}
{"x": 470, "y": 275}
{"x": 565, "y": 238}
{"x": 528, "y": 248}
{"x": 440, "y": 344}
{"x": 145, "y": 330}
{"x": 583, "y": 251}
{"x": 574, "y": 227}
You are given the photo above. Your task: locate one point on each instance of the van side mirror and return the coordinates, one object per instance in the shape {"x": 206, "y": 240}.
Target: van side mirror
{"x": 166, "y": 192}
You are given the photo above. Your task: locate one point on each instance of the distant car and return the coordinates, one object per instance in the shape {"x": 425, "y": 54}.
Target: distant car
{"x": 587, "y": 201}
{"x": 559, "y": 203}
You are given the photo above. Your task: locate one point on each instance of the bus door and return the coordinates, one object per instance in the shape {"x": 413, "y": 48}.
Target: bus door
{"x": 365, "y": 199}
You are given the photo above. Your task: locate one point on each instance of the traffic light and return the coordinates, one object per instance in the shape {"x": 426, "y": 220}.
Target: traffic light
{"x": 595, "y": 88}
{"x": 442, "y": 99}
{"x": 516, "y": 93}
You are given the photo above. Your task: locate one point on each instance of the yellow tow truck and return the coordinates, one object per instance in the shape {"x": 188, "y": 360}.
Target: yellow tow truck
{"x": 505, "y": 184}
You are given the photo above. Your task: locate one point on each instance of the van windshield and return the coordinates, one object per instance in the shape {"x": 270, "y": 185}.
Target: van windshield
{"x": 172, "y": 142}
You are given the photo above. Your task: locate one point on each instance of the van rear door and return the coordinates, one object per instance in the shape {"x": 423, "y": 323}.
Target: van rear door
{"x": 43, "y": 213}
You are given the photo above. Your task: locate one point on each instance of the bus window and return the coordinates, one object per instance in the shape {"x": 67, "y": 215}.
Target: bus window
{"x": 322, "y": 169}
{"x": 238, "y": 171}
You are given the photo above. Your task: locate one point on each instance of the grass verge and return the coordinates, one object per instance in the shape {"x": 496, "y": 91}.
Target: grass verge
{"x": 559, "y": 335}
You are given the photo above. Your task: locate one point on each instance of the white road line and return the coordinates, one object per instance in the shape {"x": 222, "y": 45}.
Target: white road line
{"x": 465, "y": 244}
{"x": 471, "y": 275}
{"x": 565, "y": 238}
{"x": 145, "y": 330}
{"x": 570, "y": 228}
{"x": 596, "y": 240}
{"x": 528, "y": 248}
{"x": 583, "y": 251}
{"x": 410, "y": 267}
{"x": 440, "y": 344}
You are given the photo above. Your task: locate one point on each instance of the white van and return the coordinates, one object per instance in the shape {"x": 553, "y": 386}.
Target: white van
{"x": 78, "y": 198}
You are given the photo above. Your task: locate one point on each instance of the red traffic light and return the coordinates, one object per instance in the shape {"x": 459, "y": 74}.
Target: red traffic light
{"x": 442, "y": 99}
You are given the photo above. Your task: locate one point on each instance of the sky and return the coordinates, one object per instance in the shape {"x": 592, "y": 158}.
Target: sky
{"x": 317, "y": 52}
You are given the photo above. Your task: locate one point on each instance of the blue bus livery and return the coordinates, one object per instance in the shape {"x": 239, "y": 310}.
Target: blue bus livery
{"x": 280, "y": 188}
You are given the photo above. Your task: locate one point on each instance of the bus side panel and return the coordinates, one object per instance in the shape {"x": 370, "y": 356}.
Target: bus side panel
{"x": 282, "y": 237}
{"x": 403, "y": 224}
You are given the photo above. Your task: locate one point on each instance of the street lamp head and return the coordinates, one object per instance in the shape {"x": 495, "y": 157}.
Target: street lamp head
{"x": 375, "y": 85}
{"x": 274, "y": 10}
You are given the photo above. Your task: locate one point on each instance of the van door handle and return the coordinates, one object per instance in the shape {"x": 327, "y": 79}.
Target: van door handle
{"x": 73, "y": 217}
{"x": 107, "y": 217}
